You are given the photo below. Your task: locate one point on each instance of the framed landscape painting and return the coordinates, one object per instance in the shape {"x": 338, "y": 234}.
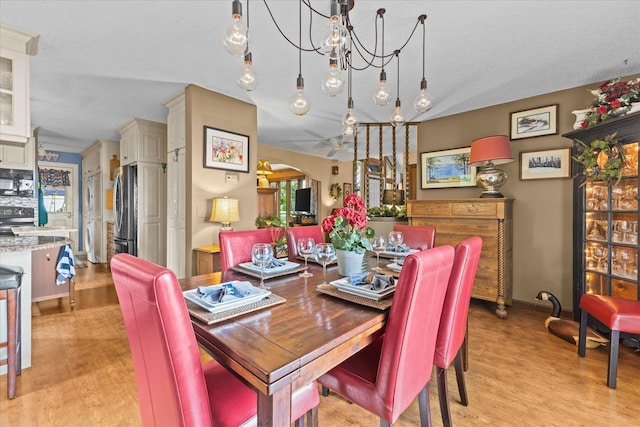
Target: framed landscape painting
{"x": 225, "y": 150}
{"x": 537, "y": 122}
{"x": 545, "y": 164}
{"x": 447, "y": 168}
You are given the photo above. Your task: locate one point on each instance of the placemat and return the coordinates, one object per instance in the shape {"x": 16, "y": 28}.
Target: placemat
{"x": 331, "y": 290}
{"x": 207, "y": 317}
{"x": 267, "y": 275}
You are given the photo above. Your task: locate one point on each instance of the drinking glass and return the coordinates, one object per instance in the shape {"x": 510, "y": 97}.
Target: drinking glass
{"x": 324, "y": 254}
{"x": 306, "y": 248}
{"x": 395, "y": 241}
{"x": 379, "y": 244}
{"x": 262, "y": 255}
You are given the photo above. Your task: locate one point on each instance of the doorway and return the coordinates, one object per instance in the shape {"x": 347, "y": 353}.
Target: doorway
{"x": 61, "y": 198}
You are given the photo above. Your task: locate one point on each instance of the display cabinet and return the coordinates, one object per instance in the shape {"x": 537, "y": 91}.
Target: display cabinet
{"x": 606, "y": 217}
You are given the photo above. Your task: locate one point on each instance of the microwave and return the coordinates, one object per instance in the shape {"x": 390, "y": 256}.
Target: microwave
{"x": 16, "y": 182}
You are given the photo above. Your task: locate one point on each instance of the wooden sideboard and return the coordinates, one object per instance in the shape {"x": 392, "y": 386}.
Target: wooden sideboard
{"x": 491, "y": 219}
{"x": 208, "y": 259}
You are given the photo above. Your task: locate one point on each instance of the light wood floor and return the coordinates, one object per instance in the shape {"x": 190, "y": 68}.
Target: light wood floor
{"x": 519, "y": 375}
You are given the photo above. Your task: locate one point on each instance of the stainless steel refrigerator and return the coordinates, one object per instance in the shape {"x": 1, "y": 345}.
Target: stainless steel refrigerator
{"x": 125, "y": 197}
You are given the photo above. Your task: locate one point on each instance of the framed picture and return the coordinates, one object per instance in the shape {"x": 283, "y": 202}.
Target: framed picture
{"x": 225, "y": 150}
{"x": 346, "y": 190}
{"x": 537, "y": 122}
{"x": 447, "y": 168}
{"x": 545, "y": 164}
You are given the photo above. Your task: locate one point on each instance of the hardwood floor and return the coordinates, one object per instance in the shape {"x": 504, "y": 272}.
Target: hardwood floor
{"x": 519, "y": 374}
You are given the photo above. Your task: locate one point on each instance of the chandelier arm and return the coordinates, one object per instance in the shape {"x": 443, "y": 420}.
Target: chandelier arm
{"x": 374, "y": 55}
{"x": 312, "y": 9}
{"x": 299, "y": 47}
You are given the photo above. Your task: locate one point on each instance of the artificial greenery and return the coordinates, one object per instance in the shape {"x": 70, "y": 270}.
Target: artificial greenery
{"x": 264, "y": 221}
{"x": 603, "y": 159}
{"x": 335, "y": 191}
{"x": 388, "y": 211}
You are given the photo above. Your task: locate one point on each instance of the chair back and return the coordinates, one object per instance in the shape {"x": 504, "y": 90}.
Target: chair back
{"x": 235, "y": 246}
{"x": 169, "y": 376}
{"x": 417, "y": 236}
{"x": 453, "y": 323}
{"x": 295, "y": 233}
{"x": 406, "y": 358}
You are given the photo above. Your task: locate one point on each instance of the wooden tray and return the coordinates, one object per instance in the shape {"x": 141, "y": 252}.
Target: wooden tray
{"x": 333, "y": 291}
{"x": 267, "y": 275}
{"x": 207, "y": 317}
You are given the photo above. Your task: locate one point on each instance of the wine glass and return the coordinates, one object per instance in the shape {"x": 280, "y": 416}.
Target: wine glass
{"x": 306, "y": 248}
{"x": 378, "y": 244}
{"x": 262, "y": 255}
{"x": 395, "y": 241}
{"x": 324, "y": 254}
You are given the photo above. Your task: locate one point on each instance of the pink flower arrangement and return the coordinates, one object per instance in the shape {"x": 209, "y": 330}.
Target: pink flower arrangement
{"x": 347, "y": 226}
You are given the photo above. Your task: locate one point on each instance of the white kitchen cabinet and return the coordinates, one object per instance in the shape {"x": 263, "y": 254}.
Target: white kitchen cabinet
{"x": 176, "y": 186}
{"x": 17, "y": 155}
{"x": 15, "y": 116}
{"x": 143, "y": 141}
{"x": 91, "y": 160}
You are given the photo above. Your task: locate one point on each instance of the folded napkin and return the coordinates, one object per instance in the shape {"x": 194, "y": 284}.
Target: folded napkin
{"x": 399, "y": 249}
{"x": 226, "y": 292}
{"x": 275, "y": 262}
{"x": 400, "y": 262}
{"x": 376, "y": 282}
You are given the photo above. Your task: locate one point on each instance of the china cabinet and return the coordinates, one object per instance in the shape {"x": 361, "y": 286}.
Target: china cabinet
{"x": 605, "y": 227}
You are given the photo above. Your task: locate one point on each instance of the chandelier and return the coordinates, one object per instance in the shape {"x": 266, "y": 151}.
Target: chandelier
{"x": 345, "y": 51}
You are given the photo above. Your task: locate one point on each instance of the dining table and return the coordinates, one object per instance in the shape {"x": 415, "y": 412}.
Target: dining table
{"x": 277, "y": 349}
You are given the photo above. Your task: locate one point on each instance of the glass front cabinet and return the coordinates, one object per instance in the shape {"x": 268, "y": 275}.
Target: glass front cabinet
{"x": 605, "y": 228}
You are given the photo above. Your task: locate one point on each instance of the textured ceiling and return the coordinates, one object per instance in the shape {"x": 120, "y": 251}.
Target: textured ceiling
{"x": 101, "y": 63}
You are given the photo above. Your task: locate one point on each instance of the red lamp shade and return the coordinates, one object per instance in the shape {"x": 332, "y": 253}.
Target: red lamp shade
{"x": 495, "y": 149}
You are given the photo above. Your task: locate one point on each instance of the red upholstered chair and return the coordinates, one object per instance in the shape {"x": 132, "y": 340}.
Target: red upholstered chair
{"x": 295, "y": 233}
{"x": 453, "y": 322}
{"x": 174, "y": 388}
{"x": 617, "y": 314}
{"x": 386, "y": 376}
{"x": 235, "y": 246}
{"x": 417, "y": 236}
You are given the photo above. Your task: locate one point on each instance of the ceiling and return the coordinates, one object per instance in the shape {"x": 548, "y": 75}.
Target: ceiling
{"x": 100, "y": 63}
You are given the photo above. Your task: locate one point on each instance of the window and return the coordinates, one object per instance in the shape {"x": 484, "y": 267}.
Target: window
{"x": 55, "y": 199}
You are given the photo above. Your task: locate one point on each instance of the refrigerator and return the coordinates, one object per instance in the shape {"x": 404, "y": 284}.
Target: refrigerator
{"x": 125, "y": 198}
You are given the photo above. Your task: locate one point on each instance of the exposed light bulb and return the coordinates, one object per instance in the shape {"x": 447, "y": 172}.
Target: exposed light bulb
{"x": 350, "y": 120}
{"x": 235, "y": 38}
{"x": 333, "y": 82}
{"x": 299, "y": 103}
{"x": 334, "y": 37}
{"x": 424, "y": 100}
{"x": 381, "y": 95}
{"x": 397, "y": 117}
{"x": 248, "y": 77}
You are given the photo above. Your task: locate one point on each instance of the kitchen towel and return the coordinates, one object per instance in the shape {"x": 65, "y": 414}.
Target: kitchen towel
{"x": 65, "y": 265}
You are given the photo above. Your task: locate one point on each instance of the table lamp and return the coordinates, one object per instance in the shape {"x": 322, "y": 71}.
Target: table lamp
{"x": 225, "y": 211}
{"x": 486, "y": 153}
{"x": 264, "y": 168}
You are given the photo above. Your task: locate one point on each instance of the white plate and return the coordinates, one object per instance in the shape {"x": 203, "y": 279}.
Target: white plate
{"x": 288, "y": 265}
{"x": 256, "y": 295}
{"x": 394, "y": 267}
{"x": 343, "y": 285}
{"x": 398, "y": 254}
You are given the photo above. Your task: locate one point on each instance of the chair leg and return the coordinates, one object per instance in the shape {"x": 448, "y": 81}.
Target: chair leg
{"x": 384, "y": 423}
{"x": 582, "y": 340}
{"x": 443, "y": 395}
{"x": 299, "y": 422}
{"x": 613, "y": 359}
{"x": 325, "y": 391}
{"x": 423, "y": 405}
{"x": 12, "y": 338}
{"x": 465, "y": 348}
{"x": 462, "y": 387}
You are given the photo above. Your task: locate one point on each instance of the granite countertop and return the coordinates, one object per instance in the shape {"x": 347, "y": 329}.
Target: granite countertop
{"x": 30, "y": 243}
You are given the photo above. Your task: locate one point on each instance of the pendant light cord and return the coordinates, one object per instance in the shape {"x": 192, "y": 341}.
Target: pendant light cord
{"x": 397, "y": 52}
{"x": 300, "y": 37}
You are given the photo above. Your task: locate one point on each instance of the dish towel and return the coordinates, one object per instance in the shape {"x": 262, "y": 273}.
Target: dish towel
{"x": 66, "y": 265}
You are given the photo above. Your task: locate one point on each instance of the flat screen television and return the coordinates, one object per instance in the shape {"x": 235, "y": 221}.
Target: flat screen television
{"x": 303, "y": 200}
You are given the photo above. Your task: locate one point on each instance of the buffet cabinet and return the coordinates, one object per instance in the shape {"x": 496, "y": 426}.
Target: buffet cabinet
{"x": 489, "y": 218}
{"x": 605, "y": 221}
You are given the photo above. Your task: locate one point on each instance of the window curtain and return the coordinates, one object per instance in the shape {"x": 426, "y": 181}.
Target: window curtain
{"x": 55, "y": 178}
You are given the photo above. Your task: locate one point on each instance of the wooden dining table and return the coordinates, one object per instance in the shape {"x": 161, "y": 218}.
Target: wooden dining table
{"x": 280, "y": 348}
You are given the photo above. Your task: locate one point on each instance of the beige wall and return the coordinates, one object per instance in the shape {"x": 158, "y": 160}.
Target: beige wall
{"x": 204, "y": 107}
{"x": 543, "y": 211}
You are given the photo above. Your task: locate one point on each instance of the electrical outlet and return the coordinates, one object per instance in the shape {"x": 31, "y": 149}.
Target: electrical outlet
{"x": 231, "y": 177}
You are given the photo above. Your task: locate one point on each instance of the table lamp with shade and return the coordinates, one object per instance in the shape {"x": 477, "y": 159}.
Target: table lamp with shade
{"x": 486, "y": 153}
{"x": 264, "y": 168}
{"x": 225, "y": 211}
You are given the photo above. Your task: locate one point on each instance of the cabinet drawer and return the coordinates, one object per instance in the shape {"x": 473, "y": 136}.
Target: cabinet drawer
{"x": 473, "y": 209}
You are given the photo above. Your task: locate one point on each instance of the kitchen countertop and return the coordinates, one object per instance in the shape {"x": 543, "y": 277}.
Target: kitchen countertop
{"x": 30, "y": 243}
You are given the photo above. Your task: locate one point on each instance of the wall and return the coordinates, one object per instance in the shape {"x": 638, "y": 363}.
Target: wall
{"x": 543, "y": 217}
{"x": 207, "y": 108}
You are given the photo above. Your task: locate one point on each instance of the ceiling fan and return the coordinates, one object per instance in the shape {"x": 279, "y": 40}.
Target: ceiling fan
{"x": 337, "y": 143}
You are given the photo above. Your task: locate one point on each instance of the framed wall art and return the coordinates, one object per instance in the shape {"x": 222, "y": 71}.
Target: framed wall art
{"x": 447, "y": 168}
{"x": 346, "y": 187}
{"x": 225, "y": 150}
{"x": 536, "y": 122}
{"x": 545, "y": 164}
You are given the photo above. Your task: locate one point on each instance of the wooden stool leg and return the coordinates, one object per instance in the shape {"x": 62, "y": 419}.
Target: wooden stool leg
{"x": 582, "y": 340}
{"x": 72, "y": 293}
{"x": 613, "y": 359}
{"x": 12, "y": 296}
{"x": 19, "y": 333}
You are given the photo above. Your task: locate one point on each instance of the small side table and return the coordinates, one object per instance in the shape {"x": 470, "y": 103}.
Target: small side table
{"x": 208, "y": 259}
